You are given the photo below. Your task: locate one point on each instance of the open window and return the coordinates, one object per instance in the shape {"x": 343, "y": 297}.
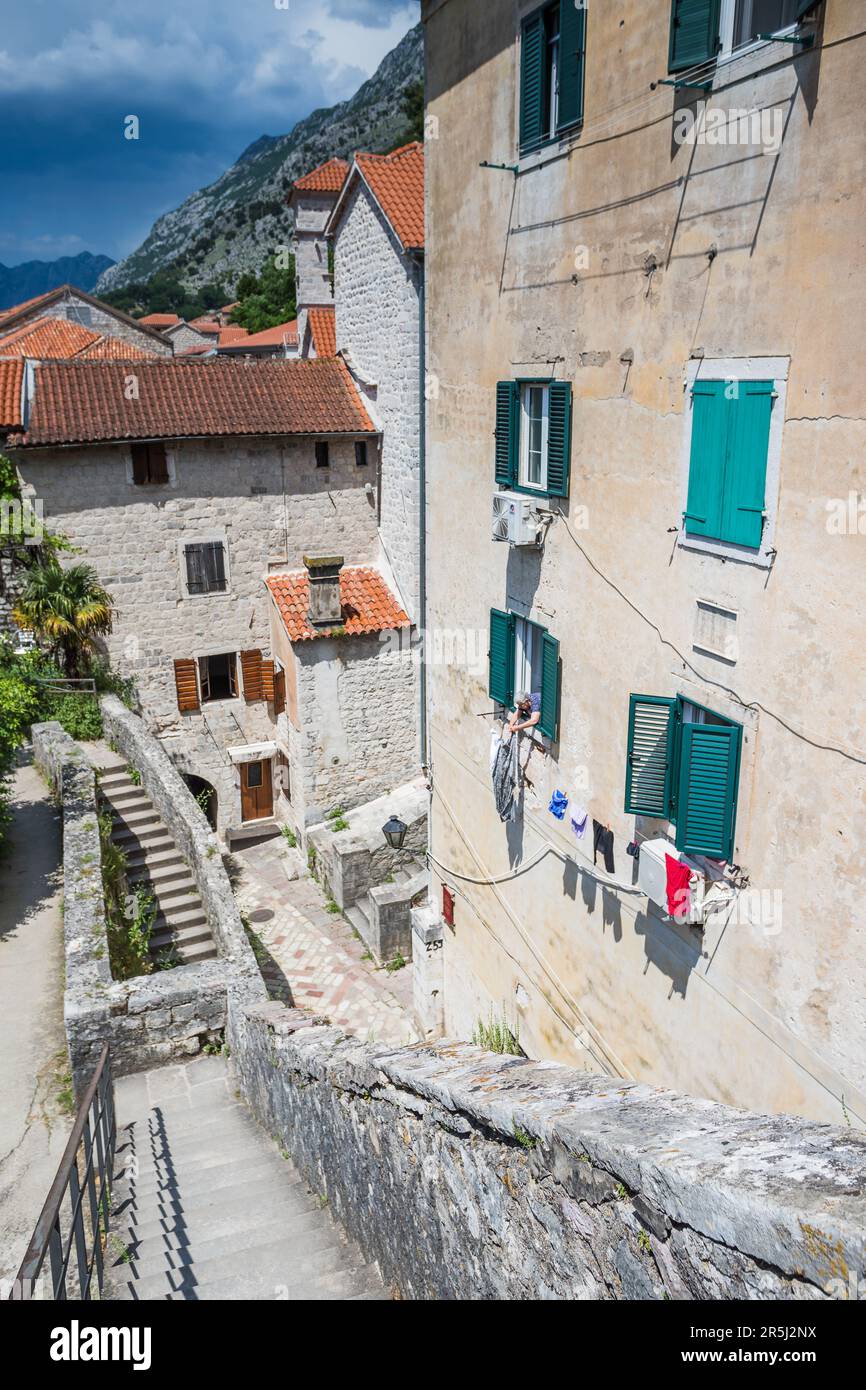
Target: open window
{"x": 149, "y": 464}
{"x": 683, "y": 765}
{"x": 218, "y": 677}
{"x": 533, "y": 436}
{"x": 525, "y": 658}
{"x": 552, "y": 50}
{"x": 702, "y": 30}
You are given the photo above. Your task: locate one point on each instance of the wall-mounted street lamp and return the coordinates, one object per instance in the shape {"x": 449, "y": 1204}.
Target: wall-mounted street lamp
{"x": 395, "y": 832}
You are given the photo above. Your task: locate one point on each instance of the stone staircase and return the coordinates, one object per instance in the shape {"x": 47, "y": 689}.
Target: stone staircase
{"x": 365, "y": 915}
{"x": 154, "y": 862}
{"x": 205, "y": 1207}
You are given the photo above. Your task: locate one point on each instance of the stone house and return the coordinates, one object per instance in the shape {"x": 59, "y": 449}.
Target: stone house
{"x": 644, "y": 451}
{"x": 87, "y": 313}
{"x": 188, "y": 486}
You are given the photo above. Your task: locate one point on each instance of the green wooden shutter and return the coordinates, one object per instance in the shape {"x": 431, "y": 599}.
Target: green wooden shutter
{"x": 559, "y": 439}
{"x": 650, "y": 756}
{"x": 549, "y": 721}
{"x": 694, "y": 33}
{"x": 532, "y": 53}
{"x": 572, "y": 28}
{"x": 507, "y": 432}
{"x": 501, "y": 685}
{"x": 746, "y": 465}
{"x": 703, "y": 515}
{"x": 707, "y": 798}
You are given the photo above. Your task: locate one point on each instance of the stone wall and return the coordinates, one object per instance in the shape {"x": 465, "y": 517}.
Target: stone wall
{"x": 473, "y": 1176}
{"x": 146, "y": 1020}
{"x": 376, "y": 287}
{"x": 358, "y": 722}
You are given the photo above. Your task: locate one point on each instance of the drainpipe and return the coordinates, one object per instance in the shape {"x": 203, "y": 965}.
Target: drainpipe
{"x": 422, "y": 502}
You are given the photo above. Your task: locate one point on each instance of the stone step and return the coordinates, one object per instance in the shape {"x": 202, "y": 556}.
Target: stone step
{"x": 134, "y": 816}
{"x": 164, "y": 937}
{"x": 190, "y": 955}
{"x": 156, "y": 857}
{"x": 174, "y": 1251}
{"x": 152, "y": 835}
{"x": 183, "y": 912}
{"x": 203, "y": 1148}
{"x": 230, "y": 1213}
{"x": 110, "y": 776}
{"x": 359, "y": 916}
{"x": 124, "y": 794}
{"x": 262, "y": 1272}
{"x": 166, "y": 892}
{"x": 160, "y": 875}
{"x": 171, "y": 1183}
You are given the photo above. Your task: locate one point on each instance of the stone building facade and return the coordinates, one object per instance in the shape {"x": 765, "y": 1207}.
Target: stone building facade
{"x": 67, "y": 302}
{"x": 643, "y": 272}
{"x": 196, "y": 650}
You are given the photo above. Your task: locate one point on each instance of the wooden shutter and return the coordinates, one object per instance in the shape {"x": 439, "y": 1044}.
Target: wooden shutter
{"x": 204, "y": 677}
{"x": 216, "y": 566}
{"x": 533, "y": 47}
{"x": 507, "y": 432}
{"x": 279, "y": 692}
{"x": 572, "y": 28}
{"x": 195, "y": 573}
{"x": 268, "y": 681}
{"x": 140, "y": 471}
{"x": 157, "y": 463}
{"x": 703, "y": 514}
{"x": 549, "y": 721}
{"x": 323, "y": 454}
{"x": 694, "y": 33}
{"x": 746, "y": 463}
{"x": 251, "y": 666}
{"x": 650, "y": 755}
{"x": 501, "y": 683}
{"x": 707, "y": 797}
{"x": 186, "y": 686}
{"x": 559, "y": 439}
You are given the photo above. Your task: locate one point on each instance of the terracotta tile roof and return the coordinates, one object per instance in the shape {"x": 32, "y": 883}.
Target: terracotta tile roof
{"x": 368, "y": 604}
{"x": 323, "y": 329}
{"x": 227, "y": 308}
{"x": 107, "y": 349}
{"x": 232, "y": 335}
{"x": 397, "y": 183}
{"x": 11, "y": 375}
{"x": 81, "y": 402}
{"x": 198, "y": 351}
{"x": 327, "y": 178}
{"x": 15, "y": 309}
{"x": 159, "y": 320}
{"x": 47, "y": 337}
{"x": 269, "y": 337}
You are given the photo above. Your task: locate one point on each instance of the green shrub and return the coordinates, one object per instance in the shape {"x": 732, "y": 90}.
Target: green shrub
{"x": 496, "y": 1036}
{"x": 78, "y": 714}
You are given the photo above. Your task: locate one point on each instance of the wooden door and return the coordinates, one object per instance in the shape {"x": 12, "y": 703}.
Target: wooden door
{"x": 257, "y": 790}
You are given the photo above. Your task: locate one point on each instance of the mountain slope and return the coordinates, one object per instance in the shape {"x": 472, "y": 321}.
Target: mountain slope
{"x": 26, "y": 281}
{"x": 239, "y": 221}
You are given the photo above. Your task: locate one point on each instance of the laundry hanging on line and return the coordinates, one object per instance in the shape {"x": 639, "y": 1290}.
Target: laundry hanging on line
{"x": 603, "y": 843}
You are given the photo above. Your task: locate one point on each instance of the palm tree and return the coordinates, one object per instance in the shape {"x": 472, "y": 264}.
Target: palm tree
{"x": 67, "y": 608}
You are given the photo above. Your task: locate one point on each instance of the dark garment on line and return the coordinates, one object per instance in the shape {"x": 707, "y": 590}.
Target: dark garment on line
{"x": 603, "y": 840}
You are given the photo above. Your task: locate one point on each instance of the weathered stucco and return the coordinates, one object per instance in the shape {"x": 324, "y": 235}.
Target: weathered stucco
{"x": 607, "y": 262}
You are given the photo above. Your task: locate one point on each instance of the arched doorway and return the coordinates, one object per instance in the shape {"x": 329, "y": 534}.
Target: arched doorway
{"x": 205, "y": 795}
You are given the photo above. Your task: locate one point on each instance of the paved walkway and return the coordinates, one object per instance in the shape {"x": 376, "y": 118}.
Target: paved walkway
{"x": 35, "y": 1114}
{"x": 311, "y": 958}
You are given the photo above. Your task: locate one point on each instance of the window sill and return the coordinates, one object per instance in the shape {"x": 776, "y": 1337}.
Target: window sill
{"x": 555, "y": 148}
{"x": 727, "y": 550}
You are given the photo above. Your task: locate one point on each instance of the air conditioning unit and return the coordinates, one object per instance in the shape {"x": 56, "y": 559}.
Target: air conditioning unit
{"x": 515, "y": 519}
{"x": 653, "y": 878}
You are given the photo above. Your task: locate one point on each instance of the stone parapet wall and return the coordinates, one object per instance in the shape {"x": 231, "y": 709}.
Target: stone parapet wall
{"x": 184, "y": 818}
{"x": 472, "y": 1176}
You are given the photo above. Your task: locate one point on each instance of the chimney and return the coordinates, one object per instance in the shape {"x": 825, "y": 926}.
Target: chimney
{"x": 326, "y": 607}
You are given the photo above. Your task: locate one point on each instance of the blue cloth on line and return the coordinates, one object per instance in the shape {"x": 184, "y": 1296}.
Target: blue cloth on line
{"x": 558, "y": 803}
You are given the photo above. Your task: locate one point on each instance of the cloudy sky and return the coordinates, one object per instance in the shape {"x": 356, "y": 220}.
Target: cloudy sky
{"x": 205, "y": 78}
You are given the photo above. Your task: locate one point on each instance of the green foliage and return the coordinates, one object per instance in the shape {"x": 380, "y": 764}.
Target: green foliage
{"x": 68, "y": 608}
{"x": 165, "y": 293}
{"x": 134, "y": 776}
{"x": 129, "y": 917}
{"x": 524, "y": 1139}
{"x": 339, "y": 824}
{"x": 413, "y": 110}
{"x": 289, "y": 836}
{"x": 332, "y": 907}
{"x": 496, "y": 1036}
{"x": 267, "y": 300}
{"x": 397, "y": 963}
{"x": 79, "y": 715}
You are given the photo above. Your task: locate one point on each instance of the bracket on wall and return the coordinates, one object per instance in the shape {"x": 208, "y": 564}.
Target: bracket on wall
{"x": 508, "y": 168}
{"x": 680, "y": 82}
{"x": 802, "y": 40}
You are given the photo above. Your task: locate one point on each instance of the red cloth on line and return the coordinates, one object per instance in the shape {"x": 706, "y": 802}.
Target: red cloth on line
{"x": 679, "y": 898}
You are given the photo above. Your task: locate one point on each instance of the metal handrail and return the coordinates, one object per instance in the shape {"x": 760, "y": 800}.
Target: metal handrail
{"x": 93, "y": 1137}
